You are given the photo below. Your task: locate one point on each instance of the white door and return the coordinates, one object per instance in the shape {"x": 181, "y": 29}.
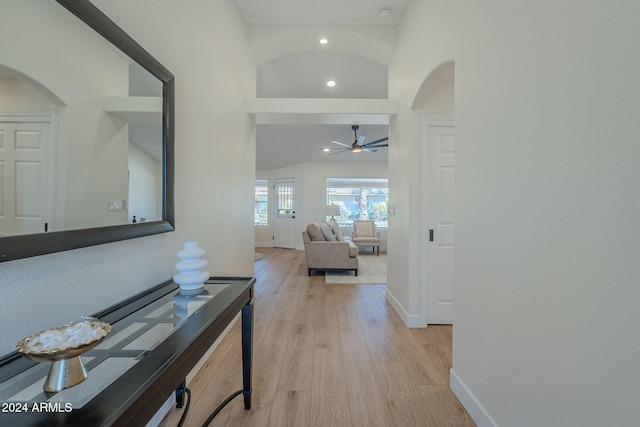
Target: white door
{"x": 440, "y": 199}
{"x": 284, "y": 223}
{"x": 25, "y": 184}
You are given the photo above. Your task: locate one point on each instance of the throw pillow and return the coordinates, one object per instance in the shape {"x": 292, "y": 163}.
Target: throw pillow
{"x": 336, "y": 230}
{"x": 315, "y": 234}
{"x": 327, "y": 232}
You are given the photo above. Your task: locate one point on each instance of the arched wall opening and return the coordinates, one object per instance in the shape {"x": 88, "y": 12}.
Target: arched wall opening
{"x": 434, "y": 108}
{"x": 436, "y": 90}
{"x": 305, "y": 75}
{"x": 19, "y": 85}
{"x": 379, "y": 47}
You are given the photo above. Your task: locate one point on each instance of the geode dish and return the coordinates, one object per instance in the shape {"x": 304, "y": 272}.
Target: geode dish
{"x": 63, "y": 346}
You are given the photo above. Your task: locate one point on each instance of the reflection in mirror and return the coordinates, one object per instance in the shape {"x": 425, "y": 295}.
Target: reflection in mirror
{"x": 78, "y": 156}
{"x": 85, "y": 138}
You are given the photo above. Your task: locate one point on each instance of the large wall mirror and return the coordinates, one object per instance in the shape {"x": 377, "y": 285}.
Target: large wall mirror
{"x": 86, "y": 131}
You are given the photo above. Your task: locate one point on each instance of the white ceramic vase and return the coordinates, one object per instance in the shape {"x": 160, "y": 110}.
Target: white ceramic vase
{"x": 191, "y": 268}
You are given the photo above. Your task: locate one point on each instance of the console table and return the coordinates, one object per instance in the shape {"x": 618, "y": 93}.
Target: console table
{"x": 157, "y": 338}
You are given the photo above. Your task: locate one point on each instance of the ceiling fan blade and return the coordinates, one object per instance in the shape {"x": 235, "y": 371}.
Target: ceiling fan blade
{"x": 368, "y": 150}
{"x": 341, "y": 143}
{"x": 375, "y": 146}
{"x": 376, "y": 141}
{"x": 361, "y": 139}
{"x": 341, "y": 151}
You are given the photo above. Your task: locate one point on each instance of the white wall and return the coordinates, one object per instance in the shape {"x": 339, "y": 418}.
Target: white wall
{"x": 96, "y": 146}
{"x": 145, "y": 185}
{"x": 547, "y": 96}
{"x": 205, "y": 46}
{"x": 311, "y": 179}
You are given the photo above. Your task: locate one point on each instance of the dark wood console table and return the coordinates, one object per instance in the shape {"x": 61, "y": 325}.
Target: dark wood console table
{"x": 157, "y": 338}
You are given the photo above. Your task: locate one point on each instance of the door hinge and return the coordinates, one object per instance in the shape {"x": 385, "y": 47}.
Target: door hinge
{"x": 431, "y": 235}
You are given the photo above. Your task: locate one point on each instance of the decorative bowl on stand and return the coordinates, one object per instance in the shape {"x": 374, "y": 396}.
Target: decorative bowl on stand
{"x": 63, "y": 346}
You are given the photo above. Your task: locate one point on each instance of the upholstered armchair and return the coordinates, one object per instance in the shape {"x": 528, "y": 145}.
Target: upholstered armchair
{"x": 365, "y": 234}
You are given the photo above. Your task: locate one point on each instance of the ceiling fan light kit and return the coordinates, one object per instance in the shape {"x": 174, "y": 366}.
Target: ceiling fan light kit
{"x": 359, "y": 146}
{"x": 384, "y": 12}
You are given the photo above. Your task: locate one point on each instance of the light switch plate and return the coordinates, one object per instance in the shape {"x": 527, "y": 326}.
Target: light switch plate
{"x": 115, "y": 205}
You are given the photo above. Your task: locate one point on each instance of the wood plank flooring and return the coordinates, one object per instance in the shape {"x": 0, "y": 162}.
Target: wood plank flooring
{"x": 327, "y": 355}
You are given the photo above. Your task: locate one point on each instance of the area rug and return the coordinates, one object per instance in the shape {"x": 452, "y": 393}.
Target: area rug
{"x": 257, "y": 256}
{"x": 371, "y": 269}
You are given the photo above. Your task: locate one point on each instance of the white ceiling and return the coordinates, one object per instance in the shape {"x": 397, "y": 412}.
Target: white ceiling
{"x": 282, "y": 145}
{"x": 303, "y": 70}
{"x": 320, "y": 12}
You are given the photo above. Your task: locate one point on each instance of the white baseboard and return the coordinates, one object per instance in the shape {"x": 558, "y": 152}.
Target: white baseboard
{"x": 470, "y": 403}
{"x": 263, "y": 244}
{"x": 410, "y": 320}
{"x": 162, "y": 412}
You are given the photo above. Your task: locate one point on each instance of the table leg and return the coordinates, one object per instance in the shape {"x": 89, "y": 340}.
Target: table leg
{"x": 180, "y": 394}
{"x": 247, "y": 352}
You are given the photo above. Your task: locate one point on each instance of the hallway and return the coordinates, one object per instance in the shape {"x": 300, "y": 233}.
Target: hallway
{"x": 327, "y": 355}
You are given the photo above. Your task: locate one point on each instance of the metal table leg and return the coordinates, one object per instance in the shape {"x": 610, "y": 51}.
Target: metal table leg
{"x": 247, "y": 352}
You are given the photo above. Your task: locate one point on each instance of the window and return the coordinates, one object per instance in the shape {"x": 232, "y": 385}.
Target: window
{"x": 284, "y": 197}
{"x": 262, "y": 202}
{"x": 359, "y": 198}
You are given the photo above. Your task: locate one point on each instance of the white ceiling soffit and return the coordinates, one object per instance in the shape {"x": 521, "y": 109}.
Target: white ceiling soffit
{"x": 350, "y": 12}
{"x": 321, "y": 111}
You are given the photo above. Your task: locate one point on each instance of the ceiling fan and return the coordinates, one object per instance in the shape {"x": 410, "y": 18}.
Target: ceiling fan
{"x": 359, "y": 145}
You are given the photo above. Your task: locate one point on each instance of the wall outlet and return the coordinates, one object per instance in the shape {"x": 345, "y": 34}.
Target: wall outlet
{"x": 115, "y": 205}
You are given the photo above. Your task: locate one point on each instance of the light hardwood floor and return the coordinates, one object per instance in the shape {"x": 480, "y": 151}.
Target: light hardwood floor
{"x": 327, "y": 355}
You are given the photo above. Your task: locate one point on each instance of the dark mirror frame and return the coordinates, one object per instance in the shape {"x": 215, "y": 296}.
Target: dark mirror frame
{"x": 30, "y": 245}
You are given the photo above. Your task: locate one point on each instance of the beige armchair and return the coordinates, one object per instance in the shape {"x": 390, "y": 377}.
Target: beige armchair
{"x": 365, "y": 234}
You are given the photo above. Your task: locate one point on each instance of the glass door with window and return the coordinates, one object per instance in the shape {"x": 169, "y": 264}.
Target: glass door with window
{"x": 284, "y": 224}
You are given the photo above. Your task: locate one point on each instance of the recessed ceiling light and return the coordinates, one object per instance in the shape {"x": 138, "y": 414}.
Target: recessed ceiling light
{"x": 384, "y": 13}
{"x": 331, "y": 83}
{"x": 324, "y": 41}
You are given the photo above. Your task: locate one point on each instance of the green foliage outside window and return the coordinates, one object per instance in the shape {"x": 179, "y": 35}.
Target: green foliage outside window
{"x": 359, "y": 199}
{"x": 261, "y": 211}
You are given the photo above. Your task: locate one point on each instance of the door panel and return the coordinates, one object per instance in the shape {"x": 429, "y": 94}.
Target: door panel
{"x": 441, "y": 184}
{"x": 25, "y": 187}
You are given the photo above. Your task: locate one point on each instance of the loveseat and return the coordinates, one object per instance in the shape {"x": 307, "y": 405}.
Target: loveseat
{"x": 326, "y": 248}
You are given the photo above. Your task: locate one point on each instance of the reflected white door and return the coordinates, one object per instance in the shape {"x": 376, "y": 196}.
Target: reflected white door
{"x": 284, "y": 223}
{"x": 440, "y": 176}
{"x": 25, "y": 184}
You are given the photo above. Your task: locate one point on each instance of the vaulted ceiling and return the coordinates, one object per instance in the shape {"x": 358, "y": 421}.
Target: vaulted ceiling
{"x": 292, "y": 63}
